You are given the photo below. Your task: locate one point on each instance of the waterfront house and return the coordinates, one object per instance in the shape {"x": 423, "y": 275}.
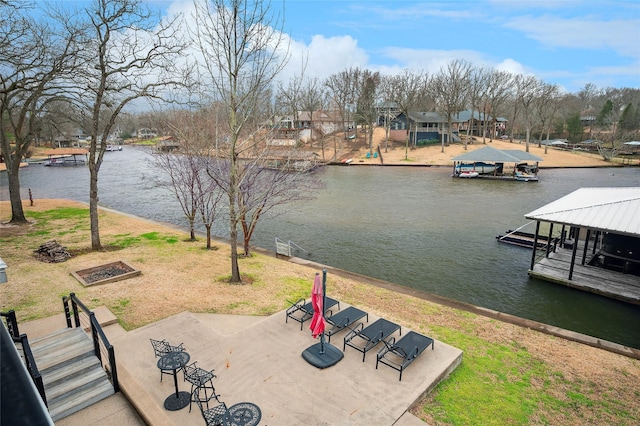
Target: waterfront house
{"x": 476, "y": 122}
{"x": 423, "y": 126}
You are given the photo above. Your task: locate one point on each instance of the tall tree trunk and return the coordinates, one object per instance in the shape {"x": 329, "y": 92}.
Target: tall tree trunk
{"x": 233, "y": 220}
{"x": 13, "y": 170}
{"x": 208, "y": 227}
{"x": 93, "y": 205}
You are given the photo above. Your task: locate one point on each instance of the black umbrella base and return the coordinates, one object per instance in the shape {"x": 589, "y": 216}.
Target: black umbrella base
{"x": 330, "y": 355}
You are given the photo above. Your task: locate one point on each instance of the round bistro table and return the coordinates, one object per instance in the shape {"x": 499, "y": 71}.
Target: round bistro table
{"x": 243, "y": 414}
{"x": 174, "y": 361}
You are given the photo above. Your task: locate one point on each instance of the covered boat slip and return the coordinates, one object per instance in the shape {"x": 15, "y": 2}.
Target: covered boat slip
{"x": 492, "y": 163}
{"x": 599, "y": 245}
{"x": 66, "y": 157}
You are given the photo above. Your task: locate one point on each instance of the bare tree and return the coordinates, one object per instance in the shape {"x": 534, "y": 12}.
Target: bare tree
{"x": 241, "y": 43}
{"x": 129, "y": 55}
{"x": 407, "y": 91}
{"x": 478, "y": 88}
{"x": 498, "y": 91}
{"x": 546, "y": 107}
{"x": 264, "y": 191}
{"x": 288, "y": 98}
{"x": 184, "y": 176}
{"x": 35, "y": 58}
{"x": 450, "y": 88}
{"x": 343, "y": 89}
{"x": 529, "y": 90}
{"x": 312, "y": 99}
{"x": 367, "y": 102}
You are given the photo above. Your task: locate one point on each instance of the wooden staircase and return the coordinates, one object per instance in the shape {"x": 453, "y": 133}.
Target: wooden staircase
{"x": 73, "y": 376}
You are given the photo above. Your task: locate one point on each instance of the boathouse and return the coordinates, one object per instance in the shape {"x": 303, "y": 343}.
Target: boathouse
{"x": 598, "y": 247}
{"x": 506, "y": 164}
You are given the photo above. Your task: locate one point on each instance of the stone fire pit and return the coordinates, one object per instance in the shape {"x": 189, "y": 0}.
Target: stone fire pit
{"x": 108, "y": 273}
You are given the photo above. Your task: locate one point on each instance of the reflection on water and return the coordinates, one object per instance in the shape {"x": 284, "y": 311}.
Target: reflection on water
{"x": 416, "y": 227}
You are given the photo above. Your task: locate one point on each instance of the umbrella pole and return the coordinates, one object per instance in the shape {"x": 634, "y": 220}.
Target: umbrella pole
{"x": 321, "y": 355}
{"x": 324, "y": 303}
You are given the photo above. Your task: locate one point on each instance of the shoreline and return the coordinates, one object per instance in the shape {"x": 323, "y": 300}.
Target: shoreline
{"x": 545, "y": 328}
{"x": 497, "y": 352}
{"x": 541, "y": 327}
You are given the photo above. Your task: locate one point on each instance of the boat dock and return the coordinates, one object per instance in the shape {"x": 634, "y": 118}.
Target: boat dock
{"x": 594, "y": 279}
{"x": 524, "y": 239}
{"x": 521, "y": 238}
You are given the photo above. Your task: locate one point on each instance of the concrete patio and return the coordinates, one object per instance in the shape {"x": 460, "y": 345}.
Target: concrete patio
{"x": 258, "y": 360}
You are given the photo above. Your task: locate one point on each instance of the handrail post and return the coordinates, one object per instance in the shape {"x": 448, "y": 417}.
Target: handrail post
{"x": 114, "y": 372}
{"x": 74, "y": 304}
{"x": 67, "y": 313}
{"x": 94, "y": 335}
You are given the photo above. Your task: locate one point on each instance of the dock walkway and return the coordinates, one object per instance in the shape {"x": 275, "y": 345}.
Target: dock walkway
{"x": 613, "y": 284}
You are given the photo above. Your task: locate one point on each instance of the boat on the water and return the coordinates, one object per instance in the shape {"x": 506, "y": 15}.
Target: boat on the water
{"x": 525, "y": 177}
{"x": 469, "y": 175}
{"x": 479, "y": 167}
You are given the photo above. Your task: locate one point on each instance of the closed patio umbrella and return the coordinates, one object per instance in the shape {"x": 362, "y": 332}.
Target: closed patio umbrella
{"x": 321, "y": 355}
{"x": 317, "y": 301}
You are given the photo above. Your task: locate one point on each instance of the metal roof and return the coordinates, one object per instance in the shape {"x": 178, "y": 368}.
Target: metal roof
{"x": 614, "y": 210}
{"x": 494, "y": 155}
{"x": 430, "y": 117}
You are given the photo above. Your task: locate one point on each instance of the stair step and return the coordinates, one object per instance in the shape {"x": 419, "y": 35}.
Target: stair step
{"x": 74, "y": 384}
{"x": 60, "y": 340}
{"x": 64, "y": 356}
{"x": 80, "y": 366}
{"x": 55, "y": 336}
{"x": 74, "y": 402}
{"x": 73, "y": 376}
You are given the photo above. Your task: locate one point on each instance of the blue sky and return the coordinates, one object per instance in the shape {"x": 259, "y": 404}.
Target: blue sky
{"x": 567, "y": 42}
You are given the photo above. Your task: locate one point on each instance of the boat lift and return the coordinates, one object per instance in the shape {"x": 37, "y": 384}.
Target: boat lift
{"x": 521, "y": 238}
{"x": 285, "y": 249}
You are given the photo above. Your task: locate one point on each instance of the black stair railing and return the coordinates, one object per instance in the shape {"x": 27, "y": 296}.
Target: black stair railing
{"x": 83, "y": 317}
{"x": 29, "y": 360}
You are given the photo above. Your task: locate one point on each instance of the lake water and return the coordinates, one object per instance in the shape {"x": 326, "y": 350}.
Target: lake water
{"x": 412, "y": 226}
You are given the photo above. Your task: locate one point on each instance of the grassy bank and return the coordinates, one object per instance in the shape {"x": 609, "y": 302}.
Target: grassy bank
{"x": 509, "y": 375}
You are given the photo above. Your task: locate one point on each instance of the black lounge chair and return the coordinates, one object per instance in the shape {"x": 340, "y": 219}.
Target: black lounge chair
{"x": 344, "y": 319}
{"x": 399, "y": 355}
{"x": 368, "y": 337}
{"x": 301, "y": 311}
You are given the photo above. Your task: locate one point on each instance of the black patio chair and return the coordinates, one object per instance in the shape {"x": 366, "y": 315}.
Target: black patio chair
{"x": 301, "y": 311}
{"x": 161, "y": 348}
{"x": 201, "y": 380}
{"x": 216, "y": 416}
{"x": 365, "y": 338}
{"x": 344, "y": 319}
{"x": 399, "y": 355}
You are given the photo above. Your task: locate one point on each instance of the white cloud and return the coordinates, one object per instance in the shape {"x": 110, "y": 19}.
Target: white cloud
{"x": 324, "y": 56}
{"x": 622, "y": 36}
{"x": 512, "y": 66}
